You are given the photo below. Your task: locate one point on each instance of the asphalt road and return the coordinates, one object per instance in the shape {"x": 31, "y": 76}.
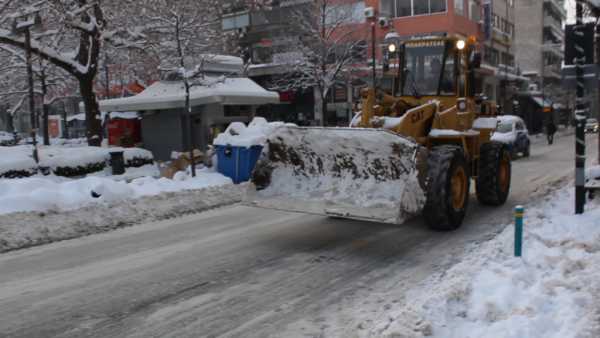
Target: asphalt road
{"x": 239, "y": 271}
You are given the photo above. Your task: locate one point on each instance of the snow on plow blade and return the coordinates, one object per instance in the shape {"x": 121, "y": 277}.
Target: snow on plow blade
{"x": 365, "y": 174}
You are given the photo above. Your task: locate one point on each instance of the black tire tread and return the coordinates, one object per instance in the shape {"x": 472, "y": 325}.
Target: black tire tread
{"x": 438, "y": 213}
{"x": 487, "y": 184}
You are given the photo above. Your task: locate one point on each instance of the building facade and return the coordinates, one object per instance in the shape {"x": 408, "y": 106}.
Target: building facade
{"x": 269, "y": 42}
{"x": 540, "y": 41}
{"x": 265, "y": 34}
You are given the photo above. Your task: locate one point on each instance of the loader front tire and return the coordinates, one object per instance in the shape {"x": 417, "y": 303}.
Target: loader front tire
{"x": 493, "y": 181}
{"x": 447, "y": 188}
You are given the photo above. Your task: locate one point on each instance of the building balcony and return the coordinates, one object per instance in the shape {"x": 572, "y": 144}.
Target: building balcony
{"x": 552, "y": 71}
{"x": 554, "y": 27}
{"x": 557, "y": 7}
{"x": 555, "y": 49}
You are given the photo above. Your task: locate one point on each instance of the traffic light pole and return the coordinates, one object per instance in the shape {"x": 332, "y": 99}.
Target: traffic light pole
{"x": 580, "y": 115}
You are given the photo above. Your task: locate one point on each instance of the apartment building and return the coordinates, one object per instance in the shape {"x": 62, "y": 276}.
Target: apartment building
{"x": 265, "y": 37}
{"x": 540, "y": 42}
{"x": 269, "y": 41}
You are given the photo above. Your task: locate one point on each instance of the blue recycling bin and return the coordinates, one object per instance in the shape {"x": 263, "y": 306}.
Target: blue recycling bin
{"x": 237, "y": 163}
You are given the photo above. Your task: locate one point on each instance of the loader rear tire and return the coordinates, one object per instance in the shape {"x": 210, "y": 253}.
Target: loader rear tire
{"x": 493, "y": 181}
{"x": 447, "y": 187}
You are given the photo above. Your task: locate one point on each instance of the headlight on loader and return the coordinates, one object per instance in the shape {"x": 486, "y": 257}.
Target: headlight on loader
{"x": 461, "y": 105}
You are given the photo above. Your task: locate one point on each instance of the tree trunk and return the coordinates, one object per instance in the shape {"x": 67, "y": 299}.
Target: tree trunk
{"x": 93, "y": 125}
{"x": 324, "y": 110}
{"x": 44, "y": 108}
{"x": 45, "y": 132}
{"x": 65, "y": 124}
{"x": 320, "y": 107}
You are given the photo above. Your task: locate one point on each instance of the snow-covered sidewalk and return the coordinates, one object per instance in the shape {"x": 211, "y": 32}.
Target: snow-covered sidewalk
{"x": 552, "y": 291}
{"x": 60, "y": 194}
{"x": 45, "y": 209}
{"x": 22, "y": 230}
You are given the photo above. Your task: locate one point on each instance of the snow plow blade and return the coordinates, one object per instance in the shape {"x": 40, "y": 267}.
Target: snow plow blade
{"x": 364, "y": 174}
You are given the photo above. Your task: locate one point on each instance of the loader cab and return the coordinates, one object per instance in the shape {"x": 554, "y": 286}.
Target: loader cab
{"x": 436, "y": 68}
{"x": 429, "y": 69}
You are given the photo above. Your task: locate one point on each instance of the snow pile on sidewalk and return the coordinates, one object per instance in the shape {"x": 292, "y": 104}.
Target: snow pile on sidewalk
{"x": 42, "y": 193}
{"x": 255, "y": 134}
{"x": 35, "y": 211}
{"x": 22, "y": 230}
{"x": 553, "y": 291}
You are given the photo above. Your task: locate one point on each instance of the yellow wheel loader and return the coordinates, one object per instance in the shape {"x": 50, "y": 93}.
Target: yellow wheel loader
{"x": 415, "y": 147}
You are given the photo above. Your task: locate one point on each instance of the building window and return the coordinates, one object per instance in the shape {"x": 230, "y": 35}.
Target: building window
{"x": 235, "y": 21}
{"x": 345, "y": 13}
{"x": 403, "y": 8}
{"x": 420, "y": 7}
{"x": 387, "y": 8}
{"x": 474, "y": 11}
{"x": 459, "y": 7}
{"x": 439, "y": 6}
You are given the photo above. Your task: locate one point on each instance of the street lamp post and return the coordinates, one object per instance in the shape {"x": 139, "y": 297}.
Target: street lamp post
{"x": 23, "y": 25}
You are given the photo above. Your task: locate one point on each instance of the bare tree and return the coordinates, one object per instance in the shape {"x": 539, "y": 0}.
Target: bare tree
{"x": 83, "y": 29}
{"x": 328, "y": 41}
{"x": 53, "y": 83}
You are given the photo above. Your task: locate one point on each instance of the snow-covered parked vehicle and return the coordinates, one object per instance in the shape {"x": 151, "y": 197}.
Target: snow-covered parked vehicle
{"x": 591, "y": 126}
{"x": 7, "y": 139}
{"x": 511, "y": 131}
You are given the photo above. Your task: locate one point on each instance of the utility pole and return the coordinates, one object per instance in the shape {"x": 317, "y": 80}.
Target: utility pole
{"x": 32, "y": 116}
{"x": 24, "y": 27}
{"x": 580, "y": 115}
{"x": 107, "y": 84}
{"x": 374, "y": 54}
{"x": 597, "y": 43}
{"x": 45, "y": 108}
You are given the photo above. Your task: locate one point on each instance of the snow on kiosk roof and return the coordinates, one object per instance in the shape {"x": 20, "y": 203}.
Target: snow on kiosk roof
{"x": 171, "y": 94}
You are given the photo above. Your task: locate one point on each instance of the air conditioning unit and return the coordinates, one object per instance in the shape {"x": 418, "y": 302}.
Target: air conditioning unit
{"x": 369, "y": 12}
{"x": 384, "y": 22}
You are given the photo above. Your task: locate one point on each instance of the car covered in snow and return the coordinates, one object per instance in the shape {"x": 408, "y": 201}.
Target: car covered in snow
{"x": 7, "y": 139}
{"x": 591, "y": 126}
{"x": 511, "y": 130}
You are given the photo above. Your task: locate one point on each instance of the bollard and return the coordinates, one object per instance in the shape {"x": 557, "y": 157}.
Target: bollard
{"x": 519, "y": 211}
{"x": 117, "y": 162}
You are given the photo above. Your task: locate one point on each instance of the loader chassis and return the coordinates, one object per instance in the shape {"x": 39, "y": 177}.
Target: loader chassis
{"x": 430, "y": 102}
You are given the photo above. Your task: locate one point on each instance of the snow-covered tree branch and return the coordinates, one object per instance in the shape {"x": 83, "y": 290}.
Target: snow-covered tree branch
{"x": 328, "y": 43}
{"x": 70, "y": 37}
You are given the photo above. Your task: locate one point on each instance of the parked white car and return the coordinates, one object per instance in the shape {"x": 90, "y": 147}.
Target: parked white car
{"x": 591, "y": 126}
{"x": 511, "y": 130}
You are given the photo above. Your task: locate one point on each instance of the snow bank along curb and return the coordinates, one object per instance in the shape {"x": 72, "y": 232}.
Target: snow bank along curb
{"x": 21, "y": 230}
{"x": 18, "y": 161}
{"x": 61, "y": 194}
{"x": 553, "y": 291}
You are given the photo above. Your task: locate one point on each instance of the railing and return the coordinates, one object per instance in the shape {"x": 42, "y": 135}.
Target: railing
{"x": 557, "y": 6}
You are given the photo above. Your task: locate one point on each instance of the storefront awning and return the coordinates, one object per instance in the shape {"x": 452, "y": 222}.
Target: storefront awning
{"x": 171, "y": 95}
